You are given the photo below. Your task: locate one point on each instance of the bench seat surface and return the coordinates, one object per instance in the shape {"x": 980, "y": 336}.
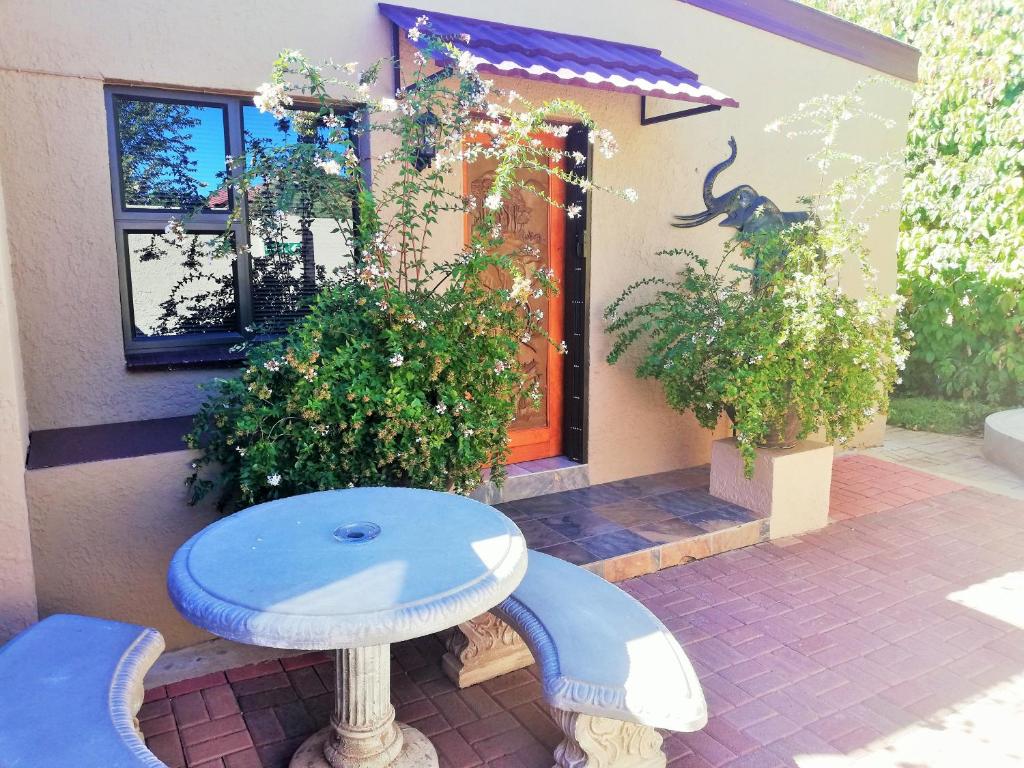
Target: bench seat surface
{"x": 601, "y": 652}
{"x": 70, "y": 690}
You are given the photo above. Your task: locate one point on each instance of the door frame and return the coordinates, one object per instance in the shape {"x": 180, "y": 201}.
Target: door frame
{"x": 575, "y": 398}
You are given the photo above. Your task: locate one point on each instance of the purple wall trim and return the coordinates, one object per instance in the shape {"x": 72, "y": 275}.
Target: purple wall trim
{"x": 803, "y": 24}
{"x": 79, "y": 445}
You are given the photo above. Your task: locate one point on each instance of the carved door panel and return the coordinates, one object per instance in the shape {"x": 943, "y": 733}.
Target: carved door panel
{"x": 527, "y": 219}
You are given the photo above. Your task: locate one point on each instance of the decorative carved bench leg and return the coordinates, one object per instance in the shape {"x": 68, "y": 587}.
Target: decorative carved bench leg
{"x": 484, "y": 648}
{"x": 600, "y": 742}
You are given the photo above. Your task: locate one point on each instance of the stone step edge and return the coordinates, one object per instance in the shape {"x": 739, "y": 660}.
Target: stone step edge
{"x": 681, "y": 551}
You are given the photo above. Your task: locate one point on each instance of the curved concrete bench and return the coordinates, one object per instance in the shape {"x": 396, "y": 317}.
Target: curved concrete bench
{"x": 71, "y": 687}
{"x": 1004, "y": 439}
{"x": 611, "y": 671}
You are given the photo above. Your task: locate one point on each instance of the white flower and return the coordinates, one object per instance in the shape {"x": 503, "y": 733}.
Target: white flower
{"x": 274, "y": 479}
{"x": 578, "y": 157}
{"x": 441, "y": 408}
{"x": 493, "y": 202}
{"x": 396, "y": 360}
{"x": 499, "y": 366}
{"x": 563, "y": 348}
{"x": 468, "y": 432}
{"x": 415, "y": 34}
{"x": 175, "y": 230}
{"x": 520, "y": 288}
{"x": 466, "y": 63}
{"x": 464, "y": 37}
{"x": 388, "y": 105}
{"x": 350, "y": 67}
{"x": 330, "y": 167}
{"x": 630, "y": 194}
{"x": 422, "y": 20}
{"x": 525, "y": 338}
{"x": 272, "y": 98}
{"x": 840, "y": 312}
{"x": 573, "y": 211}
{"x": 272, "y": 365}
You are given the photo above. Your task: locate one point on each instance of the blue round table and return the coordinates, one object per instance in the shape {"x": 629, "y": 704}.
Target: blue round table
{"x": 352, "y": 571}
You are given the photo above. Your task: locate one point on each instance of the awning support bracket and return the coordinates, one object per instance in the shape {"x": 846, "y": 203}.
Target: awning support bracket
{"x": 645, "y": 120}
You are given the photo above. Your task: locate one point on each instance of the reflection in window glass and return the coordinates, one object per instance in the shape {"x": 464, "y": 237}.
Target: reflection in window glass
{"x": 179, "y": 288}
{"x": 293, "y": 248}
{"x": 170, "y": 154}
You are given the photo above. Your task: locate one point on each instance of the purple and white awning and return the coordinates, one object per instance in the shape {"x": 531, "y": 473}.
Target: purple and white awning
{"x": 537, "y": 54}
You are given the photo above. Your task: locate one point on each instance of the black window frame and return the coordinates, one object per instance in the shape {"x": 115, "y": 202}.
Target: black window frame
{"x": 196, "y": 349}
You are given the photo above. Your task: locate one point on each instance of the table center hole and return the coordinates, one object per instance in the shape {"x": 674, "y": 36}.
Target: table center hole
{"x": 356, "y": 533}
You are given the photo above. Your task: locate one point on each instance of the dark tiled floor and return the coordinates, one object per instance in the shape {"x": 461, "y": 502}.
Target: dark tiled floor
{"x": 625, "y": 516}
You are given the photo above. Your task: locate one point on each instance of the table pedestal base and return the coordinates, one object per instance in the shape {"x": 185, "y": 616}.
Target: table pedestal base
{"x": 363, "y": 732}
{"x": 417, "y": 751}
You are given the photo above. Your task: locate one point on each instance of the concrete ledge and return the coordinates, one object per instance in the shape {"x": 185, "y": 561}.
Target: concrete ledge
{"x": 1004, "y": 439}
{"x": 789, "y": 485}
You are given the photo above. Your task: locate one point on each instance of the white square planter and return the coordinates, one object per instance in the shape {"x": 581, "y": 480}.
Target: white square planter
{"x": 790, "y": 485}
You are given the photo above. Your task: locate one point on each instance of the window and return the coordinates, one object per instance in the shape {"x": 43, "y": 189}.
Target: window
{"x": 191, "y": 298}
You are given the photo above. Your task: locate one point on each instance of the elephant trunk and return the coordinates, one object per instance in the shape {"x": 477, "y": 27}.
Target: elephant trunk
{"x": 713, "y": 205}
{"x": 709, "y": 181}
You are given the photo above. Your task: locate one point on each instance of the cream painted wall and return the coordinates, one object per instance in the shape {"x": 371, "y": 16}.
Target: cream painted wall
{"x": 17, "y": 580}
{"x": 104, "y": 533}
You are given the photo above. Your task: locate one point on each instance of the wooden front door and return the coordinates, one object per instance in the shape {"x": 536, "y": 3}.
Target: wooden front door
{"x": 527, "y": 219}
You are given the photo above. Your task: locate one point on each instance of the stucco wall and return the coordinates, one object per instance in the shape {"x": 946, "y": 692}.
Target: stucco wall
{"x": 103, "y": 534}
{"x": 17, "y": 581}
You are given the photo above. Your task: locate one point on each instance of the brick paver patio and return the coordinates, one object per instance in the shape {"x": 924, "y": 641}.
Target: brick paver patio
{"x": 894, "y": 637}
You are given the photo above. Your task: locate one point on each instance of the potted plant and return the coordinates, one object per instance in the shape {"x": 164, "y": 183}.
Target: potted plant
{"x": 403, "y": 369}
{"x": 781, "y": 362}
{"x": 770, "y": 335}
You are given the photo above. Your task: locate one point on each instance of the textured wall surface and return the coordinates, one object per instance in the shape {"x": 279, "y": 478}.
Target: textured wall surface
{"x": 17, "y": 582}
{"x": 103, "y": 534}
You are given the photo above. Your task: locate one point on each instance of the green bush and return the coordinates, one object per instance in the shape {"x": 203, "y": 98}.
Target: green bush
{"x": 375, "y": 386}
{"x": 406, "y": 369}
{"x": 772, "y": 336}
{"x": 961, "y": 250}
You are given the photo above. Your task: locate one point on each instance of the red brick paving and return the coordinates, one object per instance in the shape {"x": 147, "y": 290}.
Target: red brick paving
{"x": 815, "y": 645}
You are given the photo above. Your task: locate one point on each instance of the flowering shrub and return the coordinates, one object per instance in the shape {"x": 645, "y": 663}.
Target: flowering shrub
{"x": 405, "y": 369}
{"x": 777, "y": 345}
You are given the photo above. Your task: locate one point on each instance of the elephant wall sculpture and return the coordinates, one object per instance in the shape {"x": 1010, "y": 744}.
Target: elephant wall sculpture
{"x": 745, "y": 210}
{"x": 743, "y": 207}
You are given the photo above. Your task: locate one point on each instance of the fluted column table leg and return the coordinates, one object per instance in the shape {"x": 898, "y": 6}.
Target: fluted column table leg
{"x": 363, "y": 732}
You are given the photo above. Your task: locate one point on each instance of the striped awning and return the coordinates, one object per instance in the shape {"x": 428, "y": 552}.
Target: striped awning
{"x": 538, "y": 54}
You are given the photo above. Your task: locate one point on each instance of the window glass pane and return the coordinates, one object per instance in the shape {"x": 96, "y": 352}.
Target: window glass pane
{"x": 180, "y": 288}
{"x": 295, "y": 243}
{"x": 170, "y": 154}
